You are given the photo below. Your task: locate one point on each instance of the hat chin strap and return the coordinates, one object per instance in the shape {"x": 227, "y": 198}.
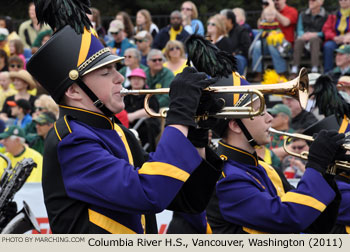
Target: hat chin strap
{"x": 97, "y": 102}
{"x": 249, "y": 137}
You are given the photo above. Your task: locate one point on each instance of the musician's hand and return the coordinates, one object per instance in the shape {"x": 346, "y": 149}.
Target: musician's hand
{"x": 209, "y": 105}
{"x": 185, "y": 92}
{"x": 324, "y": 149}
{"x": 199, "y": 137}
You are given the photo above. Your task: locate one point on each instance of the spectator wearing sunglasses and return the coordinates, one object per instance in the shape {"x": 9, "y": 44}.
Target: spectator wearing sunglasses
{"x": 158, "y": 76}
{"x": 190, "y": 18}
{"x": 294, "y": 167}
{"x": 15, "y": 64}
{"x": 282, "y": 116}
{"x": 120, "y": 42}
{"x": 143, "y": 41}
{"x": 175, "y": 55}
{"x": 44, "y": 103}
{"x": 217, "y": 33}
{"x": 44, "y": 122}
{"x": 132, "y": 58}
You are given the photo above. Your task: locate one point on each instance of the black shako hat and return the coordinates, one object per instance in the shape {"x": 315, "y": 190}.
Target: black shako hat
{"x": 328, "y": 123}
{"x": 66, "y": 57}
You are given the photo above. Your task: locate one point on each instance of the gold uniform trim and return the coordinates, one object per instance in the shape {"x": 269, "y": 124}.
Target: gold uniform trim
{"x": 252, "y": 231}
{"x": 87, "y": 111}
{"x": 236, "y": 82}
{"x": 274, "y": 177}
{"x": 84, "y": 47}
{"x": 303, "y": 200}
{"x": 123, "y": 138}
{"x": 65, "y": 120}
{"x": 108, "y": 224}
{"x": 163, "y": 169}
{"x": 344, "y": 125}
{"x": 58, "y": 135}
{"x": 347, "y": 229}
{"x": 246, "y": 153}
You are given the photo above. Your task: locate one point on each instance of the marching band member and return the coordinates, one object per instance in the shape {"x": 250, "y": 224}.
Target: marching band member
{"x": 251, "y": 197}
{"x": 95, "y": 175}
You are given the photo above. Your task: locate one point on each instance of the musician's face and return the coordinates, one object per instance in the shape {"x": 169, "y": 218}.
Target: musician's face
{"x": 259, "y": 126}
{"x": 106, "y": 83}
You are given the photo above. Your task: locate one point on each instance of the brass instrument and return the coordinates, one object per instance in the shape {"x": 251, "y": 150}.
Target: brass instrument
{"x": 296, "y": 88}
{"x": 339, "y": 164}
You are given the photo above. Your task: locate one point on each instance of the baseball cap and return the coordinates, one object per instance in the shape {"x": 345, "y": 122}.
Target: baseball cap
{"x": 116, "y": 26}
{"x": 280, "y": 108}
{"x": 313, "y": 77}
{"x": 137, "y": 72}
{"x": 45, "y": 118}
{"x": 142, "y": 35}
{"x": 22, "y": 103}
{"x": 3, "y": 34}
{"x": 12, "y": 131}
{"x": 344, "y": 81}
{"x": 344, "y": 49}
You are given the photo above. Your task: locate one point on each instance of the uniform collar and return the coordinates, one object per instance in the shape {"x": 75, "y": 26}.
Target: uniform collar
{"x": 88, "y": 117}
{"x": 227, "y": 151}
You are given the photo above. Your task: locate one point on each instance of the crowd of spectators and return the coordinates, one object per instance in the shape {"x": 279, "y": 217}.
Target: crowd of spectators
{"x": 154, "y": 55}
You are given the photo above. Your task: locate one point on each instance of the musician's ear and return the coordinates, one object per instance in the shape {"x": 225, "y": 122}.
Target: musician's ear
{"x": 233, "y": 126}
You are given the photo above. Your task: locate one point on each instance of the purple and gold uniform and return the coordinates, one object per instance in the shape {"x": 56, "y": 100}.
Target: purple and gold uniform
{"x": 94, "y": 180}
{"x": 250, "y": 197}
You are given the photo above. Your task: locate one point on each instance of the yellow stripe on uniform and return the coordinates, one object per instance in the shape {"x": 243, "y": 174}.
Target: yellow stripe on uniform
{"x": 163, "y": 169}
{"x": 84, "y": 47}
{"x": 347, "y": 228}
{"x": 236, "y": 82}
{"x": 108, "y": 224}
{"x": 122, "y": 136}
{"x": 253, "y": 231}
{"x": 303, "y": 200}
{"x": 344, "y": 125}
{"x": 208, "y": 231}
{"x": 58, "y": 135}
{"x": 274, "y": 177}
{"x": 65, "y": 120}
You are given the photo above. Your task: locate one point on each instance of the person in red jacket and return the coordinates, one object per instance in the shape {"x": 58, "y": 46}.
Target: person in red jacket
{"x": 335, "y": 28}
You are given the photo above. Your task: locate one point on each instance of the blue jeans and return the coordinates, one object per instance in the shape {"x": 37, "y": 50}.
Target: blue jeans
{"x": 328, "y": 55}
{"x": 241, "y": 63}
{"x": 279, "y": 64}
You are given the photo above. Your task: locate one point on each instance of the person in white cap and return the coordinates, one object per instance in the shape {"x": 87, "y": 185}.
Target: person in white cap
{"x": 119, "y": 43}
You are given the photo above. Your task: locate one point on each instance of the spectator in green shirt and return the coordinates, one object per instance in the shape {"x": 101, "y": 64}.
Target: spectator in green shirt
{"x": 281, "y": 118}
{"x": 158, "y": 76}
{"x": 44, "y": 122}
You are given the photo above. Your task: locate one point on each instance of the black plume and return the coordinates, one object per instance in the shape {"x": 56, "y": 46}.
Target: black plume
{"x": 59, "y": 13}
{"x": 328, "y": 99}
{"x": 207, "y": 58}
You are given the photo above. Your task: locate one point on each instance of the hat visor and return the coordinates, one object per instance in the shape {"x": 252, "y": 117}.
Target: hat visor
{"x": 11, "y": 103}
{"x": 103, "y": 62}
{"x": 4, "y": 135}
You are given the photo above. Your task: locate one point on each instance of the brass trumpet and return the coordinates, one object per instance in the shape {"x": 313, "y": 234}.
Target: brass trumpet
{"x": 339, "y": 164}
{"x": 296, "y": 88}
